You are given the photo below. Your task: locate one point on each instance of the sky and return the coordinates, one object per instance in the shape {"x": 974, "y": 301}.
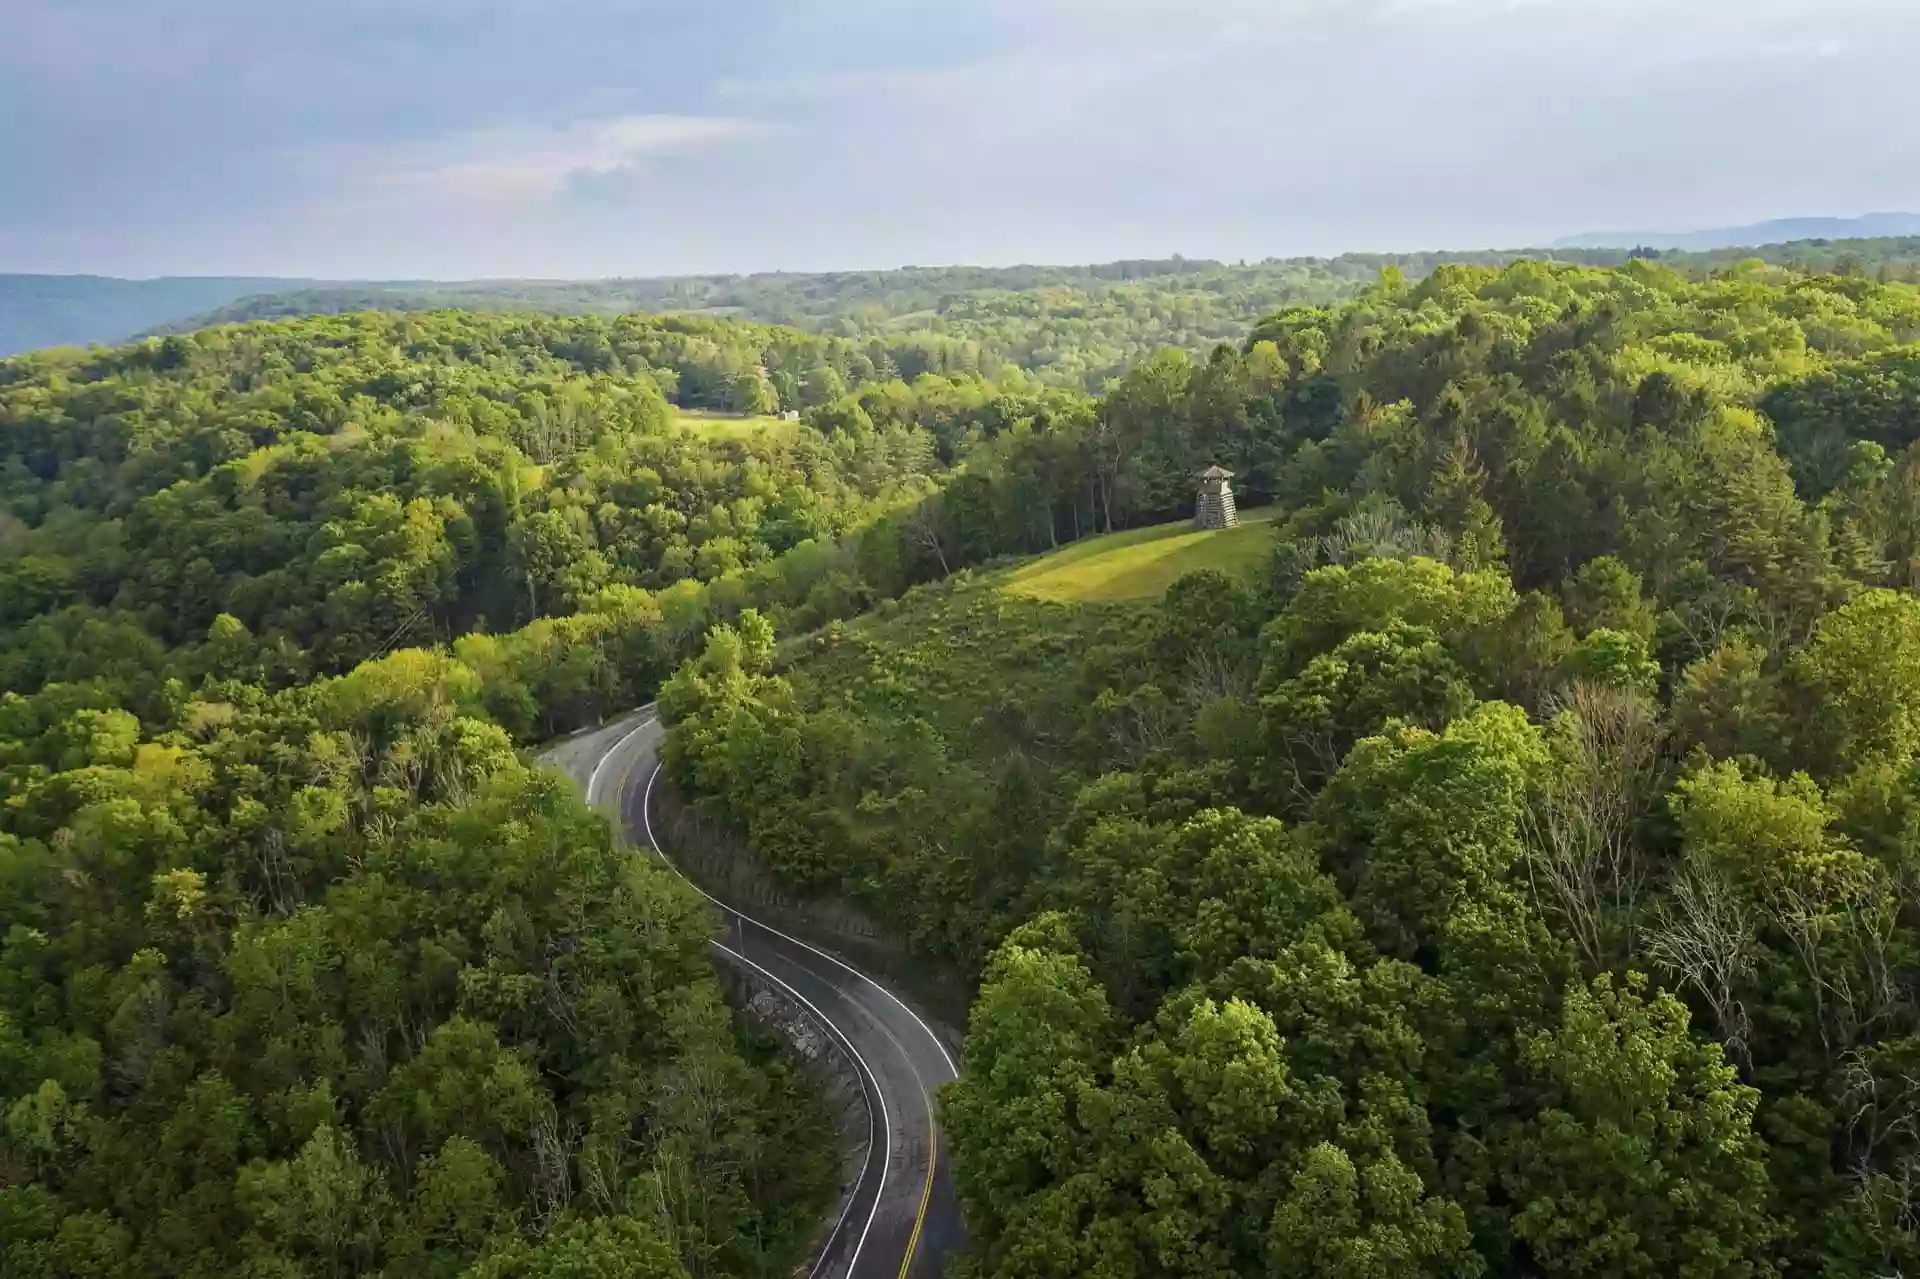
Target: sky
{"x": 367, "y": 139}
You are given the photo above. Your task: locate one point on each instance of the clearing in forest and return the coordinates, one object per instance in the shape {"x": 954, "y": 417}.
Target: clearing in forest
{"x": 731, "y": 426}
{"x": 1142, "y": 563}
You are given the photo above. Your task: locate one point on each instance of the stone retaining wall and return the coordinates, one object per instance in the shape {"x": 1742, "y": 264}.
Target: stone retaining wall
{"x": 826, "y": 1062}
{"x": 714, "y": 858}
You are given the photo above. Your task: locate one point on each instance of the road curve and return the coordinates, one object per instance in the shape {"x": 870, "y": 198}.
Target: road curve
{"x": 901, "y": 1221}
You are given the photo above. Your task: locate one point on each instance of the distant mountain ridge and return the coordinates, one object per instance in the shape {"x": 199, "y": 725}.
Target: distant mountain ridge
{"x": 1777, "y": 231}
{"x": 78, "y": 310}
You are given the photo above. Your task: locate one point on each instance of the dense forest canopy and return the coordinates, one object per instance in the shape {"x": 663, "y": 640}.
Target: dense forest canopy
{"x": 1076, "y": 326}
{"x": 1516, "y": 877}
{"x": 329, "y": 982}
{"x": 291, "y": 499}
{"x": 1070, "y": 326}
{"x": 302, "y": 969}
{"x": 1516, "y": 874}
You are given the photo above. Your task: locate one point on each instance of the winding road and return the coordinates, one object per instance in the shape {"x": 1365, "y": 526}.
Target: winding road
{"x": 901, "y": 1220}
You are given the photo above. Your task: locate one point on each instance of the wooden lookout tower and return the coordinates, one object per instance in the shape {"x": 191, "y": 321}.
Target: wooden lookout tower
{"x": 1214, "y": 508}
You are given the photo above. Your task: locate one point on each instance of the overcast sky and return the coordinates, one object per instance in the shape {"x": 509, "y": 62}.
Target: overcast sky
{"x": 461, "y": 138}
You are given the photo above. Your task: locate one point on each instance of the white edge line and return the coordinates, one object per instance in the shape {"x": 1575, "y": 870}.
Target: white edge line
{"x": 870, "y": 1085}
{"x": 593, "y": 779}
{"x": 646, "y": 816}
{"x": 886, "y": 1122}
{"x": 878, "y": 1093}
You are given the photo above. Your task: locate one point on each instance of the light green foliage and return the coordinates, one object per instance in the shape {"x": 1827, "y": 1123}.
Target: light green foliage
{"x": 1864, "y": 665}
{"x": 1037, "y": 1036}
{"x": 1606, "y": 593}
{"x": 728, "y": 426}
{"x": 1336, "y": 602}
{"x": 1771, "y": 838}
{"x": 1250, "y": 1152}
{"x": 1728, "y": 704}
{"x": 603, "y": 1248}
{"x": 1425, "y": 821}
{"x": 1617, "y": 659}
{"x": 1820, "y": 418}
{"x": 1757, "y": 821}
{"x": 1073, "y": 325}
{"x": 1338, "y": 1220}
{"x": 350, "y": 990}
{"x": 1168, "y": 903}
{"x": 321, "y": 1207}
{"x": 280, "y": 498}
{"x": 907, "y": 753}
{"x": 1643, "y": 1160}
{"x": 1402, "y": 673}
{"x": 1547, "y": 608}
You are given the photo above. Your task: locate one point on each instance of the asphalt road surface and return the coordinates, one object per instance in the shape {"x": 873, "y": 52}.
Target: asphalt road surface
{"x": 902, "y": 1219}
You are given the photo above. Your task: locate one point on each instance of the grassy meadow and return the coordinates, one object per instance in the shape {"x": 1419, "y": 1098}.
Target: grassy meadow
{"x": 1139, "y": 564}
{"x": 952, "y": 651}
{"x": 731, "y": 426}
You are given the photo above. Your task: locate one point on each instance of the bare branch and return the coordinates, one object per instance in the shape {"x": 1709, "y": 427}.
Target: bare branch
{"x": 1706, "y": 934}
{"x": 1584, "y": 861}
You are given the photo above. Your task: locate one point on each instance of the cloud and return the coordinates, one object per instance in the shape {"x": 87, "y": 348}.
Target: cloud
{"x": 523, "y": 165}
{"x": 594, "y": 137}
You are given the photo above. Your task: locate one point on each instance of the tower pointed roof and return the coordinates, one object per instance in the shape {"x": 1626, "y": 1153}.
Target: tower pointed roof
{"x": 1216, "y": 472}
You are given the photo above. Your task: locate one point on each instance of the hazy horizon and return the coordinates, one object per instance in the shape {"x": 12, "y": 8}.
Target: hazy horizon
{"x": 1586, "y": 240}
{"x": 587, "y": 139}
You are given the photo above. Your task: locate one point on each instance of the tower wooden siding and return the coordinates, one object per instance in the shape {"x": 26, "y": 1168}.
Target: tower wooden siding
{"x": 1213, "y": 508}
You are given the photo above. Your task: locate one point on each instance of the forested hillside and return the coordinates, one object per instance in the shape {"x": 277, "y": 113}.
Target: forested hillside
{"x": 1075, "y": 327}
{"x": 1511, "y": 872}
{"x": 1517, "y": 876}
{"x": 1775, "y": 231}
{"x": 298, "y": 498}
{"x": 1070, "y": 326}
{"x": 302, "y": 969}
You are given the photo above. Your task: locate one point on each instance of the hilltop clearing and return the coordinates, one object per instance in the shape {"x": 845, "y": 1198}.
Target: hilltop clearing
{"x": 1140, "y": 564}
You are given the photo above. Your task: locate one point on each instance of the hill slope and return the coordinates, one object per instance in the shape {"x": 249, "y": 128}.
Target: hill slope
{"x": 1587, "y": 663}
{"x": 1077, "y": 326}
{"x": 1140, "y": 564}
{"x": 1777, "y": 231}
{"x": 83, "y": 310}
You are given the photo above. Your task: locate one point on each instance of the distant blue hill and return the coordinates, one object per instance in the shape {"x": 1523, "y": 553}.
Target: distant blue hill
{"x": 79, "y": 310}
{"x": 1779, "y": 231}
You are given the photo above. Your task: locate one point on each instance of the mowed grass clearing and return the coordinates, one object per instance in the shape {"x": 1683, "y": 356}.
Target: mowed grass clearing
{"x": 1142, "y": 563}
{"x": 732, "y": 426}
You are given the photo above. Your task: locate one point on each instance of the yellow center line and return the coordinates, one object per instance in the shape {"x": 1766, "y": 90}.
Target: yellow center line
{"x": 933, "y": 1145}
{"x": 926, "y": 1192}
{"x": 926, "y": 1098}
